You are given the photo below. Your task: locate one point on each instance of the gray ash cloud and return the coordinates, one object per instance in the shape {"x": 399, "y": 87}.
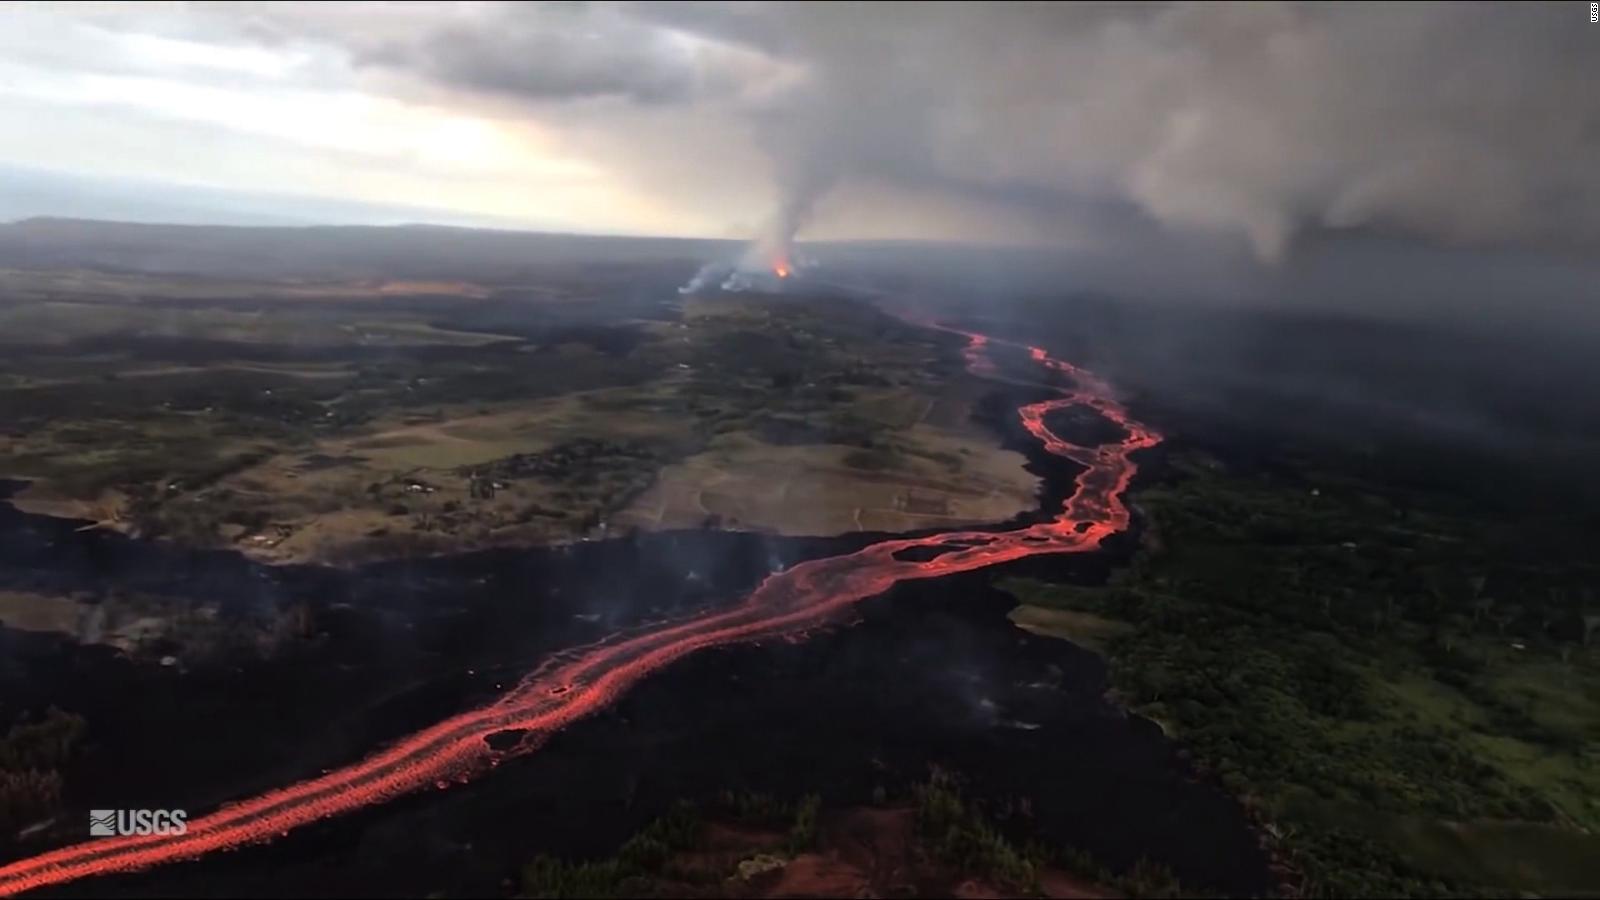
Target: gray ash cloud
{"x": 1453, "y": 123}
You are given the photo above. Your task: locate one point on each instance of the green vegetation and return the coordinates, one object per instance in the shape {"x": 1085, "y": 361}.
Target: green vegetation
{"x": 645, "y": 854}
{"x": 585, "y": 479}
{"x": 31, "y": 757}
{"x": 1084, "y": 629}
{"x": 210, "y": 419}
{"x": 1408, "y": 694}
{"x": 957, "y": 832}
{"x": 951, "y": 839}
{"x": 822, "y": 371}
{"x": 799, "y": 817}
{"x": 803, "y": 833}
{"x": 959, "y": 835}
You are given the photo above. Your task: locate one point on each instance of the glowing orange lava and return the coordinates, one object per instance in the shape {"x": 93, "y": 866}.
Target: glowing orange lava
{"x": 781, "y": 269}
{"x": 787, "y": 604}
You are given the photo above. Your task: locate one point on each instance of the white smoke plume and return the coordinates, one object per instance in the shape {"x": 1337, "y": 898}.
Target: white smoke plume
{"x": 1260, "y": 123}
{"x": 1456, "y": 123}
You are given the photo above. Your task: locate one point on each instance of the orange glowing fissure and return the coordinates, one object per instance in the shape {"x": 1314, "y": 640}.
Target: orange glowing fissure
{"x": 787, "y": 604}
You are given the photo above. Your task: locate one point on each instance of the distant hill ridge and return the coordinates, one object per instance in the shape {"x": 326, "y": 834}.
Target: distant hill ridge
{"x": 324, "y": 251}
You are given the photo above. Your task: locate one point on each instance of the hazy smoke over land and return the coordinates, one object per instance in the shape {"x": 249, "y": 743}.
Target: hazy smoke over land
{"x": 1260, "y": 127}
{"x": 1454, "y": 123}
{"x": 775, "y": 242}
{"x": 1457, "y": 123}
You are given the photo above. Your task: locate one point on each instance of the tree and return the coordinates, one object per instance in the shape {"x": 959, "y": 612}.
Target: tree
{"x": 1452, "y": 628}
{"x": 1507, "y": 614}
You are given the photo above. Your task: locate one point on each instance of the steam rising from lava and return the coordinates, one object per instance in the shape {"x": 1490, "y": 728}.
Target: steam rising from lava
{"x": 773, "y": 250}
{"x": 768, "y": 262}
{"x": 804, "y": 147}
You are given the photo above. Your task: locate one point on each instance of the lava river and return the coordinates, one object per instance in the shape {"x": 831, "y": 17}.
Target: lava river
{"x": 579, "y": 682}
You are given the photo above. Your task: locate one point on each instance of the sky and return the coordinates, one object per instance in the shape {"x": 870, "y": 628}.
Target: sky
{"x": 1261, "y": 128}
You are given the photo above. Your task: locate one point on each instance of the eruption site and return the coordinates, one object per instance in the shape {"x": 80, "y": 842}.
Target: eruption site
{"x": 787, "y": 604}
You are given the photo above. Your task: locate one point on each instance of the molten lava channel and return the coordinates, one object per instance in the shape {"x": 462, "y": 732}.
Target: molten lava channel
{"x": 786, "y": 604}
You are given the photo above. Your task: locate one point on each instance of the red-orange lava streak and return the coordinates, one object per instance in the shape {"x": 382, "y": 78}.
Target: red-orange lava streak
{"x": 787, "y": 603}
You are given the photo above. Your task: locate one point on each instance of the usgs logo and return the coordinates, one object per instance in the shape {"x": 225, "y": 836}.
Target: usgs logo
{"x": 125, "y": 822}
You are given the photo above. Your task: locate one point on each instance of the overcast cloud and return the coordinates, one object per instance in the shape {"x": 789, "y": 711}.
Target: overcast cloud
{"x": 1262, "y": 124}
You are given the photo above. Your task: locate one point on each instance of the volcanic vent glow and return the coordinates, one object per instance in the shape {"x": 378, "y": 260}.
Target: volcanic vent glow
{"x": 761, "y": 268}
{"x": 787, "y": 604}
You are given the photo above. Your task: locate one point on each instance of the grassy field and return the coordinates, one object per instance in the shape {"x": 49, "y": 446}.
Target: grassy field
{"x": 28, "y": 611}
{"x": 1407, "y": 693}
{"x": 1082, "y": 628}
{"x": 740, "y": 481}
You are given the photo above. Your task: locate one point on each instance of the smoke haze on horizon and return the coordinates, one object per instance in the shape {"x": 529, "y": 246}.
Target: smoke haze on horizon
{"x": 1252, "y": 134}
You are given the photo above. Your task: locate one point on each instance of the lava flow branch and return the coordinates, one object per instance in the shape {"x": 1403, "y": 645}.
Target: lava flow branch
{"x": 786, "y": 604}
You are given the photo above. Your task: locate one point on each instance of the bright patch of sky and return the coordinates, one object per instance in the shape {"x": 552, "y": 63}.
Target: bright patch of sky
{"x": 82, "y": 90}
